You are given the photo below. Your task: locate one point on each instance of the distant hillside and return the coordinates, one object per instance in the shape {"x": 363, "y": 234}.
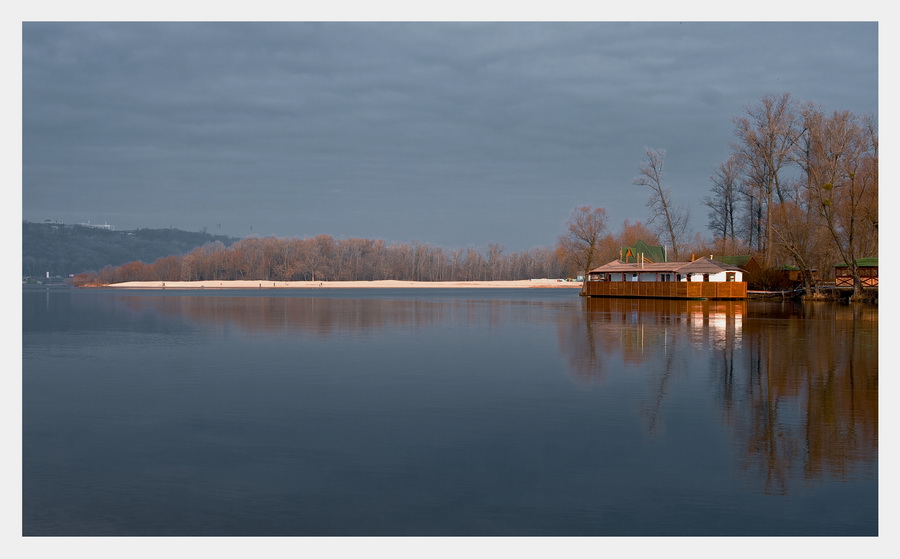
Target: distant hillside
{"x": 64, "y": 249}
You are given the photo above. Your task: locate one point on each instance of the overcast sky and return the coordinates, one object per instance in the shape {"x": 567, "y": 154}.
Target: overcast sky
{"x": 453, "y": 134}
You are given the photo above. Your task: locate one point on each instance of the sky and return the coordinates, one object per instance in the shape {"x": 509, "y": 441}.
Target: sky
{"x": 453, "y": 134}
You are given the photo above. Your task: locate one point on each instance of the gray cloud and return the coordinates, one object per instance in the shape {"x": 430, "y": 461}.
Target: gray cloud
{"x": 449, "y": 133}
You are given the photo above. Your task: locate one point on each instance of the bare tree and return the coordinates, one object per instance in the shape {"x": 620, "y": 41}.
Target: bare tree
{"x": 723, "y": 200}
{"x": 187, "y": 272}
{"x": 766, "y": 138}
{"x": 843, "y": 185}
{"x": 581, "y": 241}
{"x": 495, "y": 261}
{"x": 796, "y": 231}
{"x": 671, "y": 221}
{"x": 475, "y": 265}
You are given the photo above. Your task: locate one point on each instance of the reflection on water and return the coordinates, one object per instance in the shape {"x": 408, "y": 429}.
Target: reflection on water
{"x": 797, "y": 383}
{"x": 321, "y": 316}
{"x": 493, "y": 413}
{"x": 806, "y": 396}
{"x": 638, "y": 329}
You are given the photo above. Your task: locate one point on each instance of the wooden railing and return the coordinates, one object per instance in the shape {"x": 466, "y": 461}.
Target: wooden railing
{"x": 668, "y": 289}
{"x": 847, "y": 281}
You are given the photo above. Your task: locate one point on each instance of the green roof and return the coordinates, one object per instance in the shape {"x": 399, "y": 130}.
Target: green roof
{"x": 871, "y": 262}
{"x": 650, "y": 253}
{"x": 734, "y": 260}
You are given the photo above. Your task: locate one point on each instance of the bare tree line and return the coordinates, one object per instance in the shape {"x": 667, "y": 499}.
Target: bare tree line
{"x": 324, "y": 258}
{"x": 800, "y": 187}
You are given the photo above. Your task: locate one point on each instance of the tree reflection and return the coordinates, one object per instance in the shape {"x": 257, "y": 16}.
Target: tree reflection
{"x": 319, "y": 316}
{"x": 808, "y": 396}
{"x": 797, "y": 384}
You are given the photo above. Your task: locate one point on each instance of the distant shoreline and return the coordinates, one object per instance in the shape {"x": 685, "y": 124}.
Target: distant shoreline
{"x": 375, "y": 284}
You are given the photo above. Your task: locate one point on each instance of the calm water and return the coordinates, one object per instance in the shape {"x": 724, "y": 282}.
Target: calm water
{"x": 445, "y": 412}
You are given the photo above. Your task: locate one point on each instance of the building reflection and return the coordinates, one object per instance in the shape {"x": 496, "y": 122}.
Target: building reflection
{"x": 636, "y": 330}
{"x": 797, "y": 384}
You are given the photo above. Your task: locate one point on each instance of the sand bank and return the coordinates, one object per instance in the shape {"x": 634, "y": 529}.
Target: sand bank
{"x": 261, "y": 284}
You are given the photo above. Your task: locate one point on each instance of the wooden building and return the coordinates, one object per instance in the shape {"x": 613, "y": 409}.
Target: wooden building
{"x": 868, "y": 273}
{"x": 700, "y": 279}
{"x": 792, "y": 276}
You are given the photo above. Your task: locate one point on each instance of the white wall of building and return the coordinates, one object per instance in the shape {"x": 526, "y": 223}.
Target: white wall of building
{"x": 721, "y": 276}
{"x": 654, "y": 276}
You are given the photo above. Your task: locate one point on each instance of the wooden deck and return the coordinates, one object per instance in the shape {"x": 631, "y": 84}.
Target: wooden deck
{"x": 667, "y": 289}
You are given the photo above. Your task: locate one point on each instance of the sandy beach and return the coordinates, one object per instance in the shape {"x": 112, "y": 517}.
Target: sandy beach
{"x": 394, "y": 284}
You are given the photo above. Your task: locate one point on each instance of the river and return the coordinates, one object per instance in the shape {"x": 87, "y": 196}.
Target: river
{"x": 445, "y": 412}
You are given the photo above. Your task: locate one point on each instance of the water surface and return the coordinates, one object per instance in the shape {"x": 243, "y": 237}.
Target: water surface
{"x": 445, "y": 412}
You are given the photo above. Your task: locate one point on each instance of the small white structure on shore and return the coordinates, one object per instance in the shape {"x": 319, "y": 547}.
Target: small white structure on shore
{"x": 106, "y": 226}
